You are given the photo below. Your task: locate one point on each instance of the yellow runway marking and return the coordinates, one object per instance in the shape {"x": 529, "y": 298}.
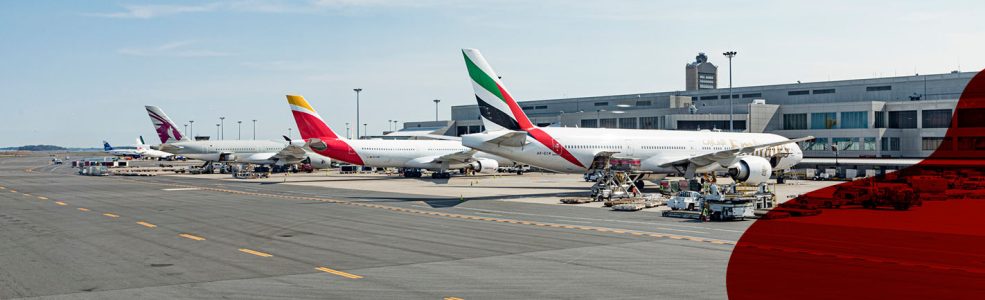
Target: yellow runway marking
{"x": 60, "y": 203}
{"x": 340, "y": 273}
{"x": 27, "y": 195}
{"x": 111, "y": 215}
{"x": 468, "y": 217}
{"x": 2, "y": 188}
{"x": 254, "y": 252}
{"x": 191, "y": 237}
{"x": 453, "y": 298}
{"x": 148, "y": 225}
{"x": 42, "y": 198}
{"x": 83, "y": 209}
{"x": 13, "y": 191}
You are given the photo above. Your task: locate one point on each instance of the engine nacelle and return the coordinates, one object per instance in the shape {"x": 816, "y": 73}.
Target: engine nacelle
{"x": 484, "y": 165}
{"x": 751, "y": 169}
{"x": 227, "y": 157}
{"x": 319, "y": 161}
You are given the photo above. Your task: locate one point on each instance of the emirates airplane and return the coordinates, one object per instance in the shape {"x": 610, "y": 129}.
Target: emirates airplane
{"x": 748, "y": 157}
{"x": 410, "y": 155}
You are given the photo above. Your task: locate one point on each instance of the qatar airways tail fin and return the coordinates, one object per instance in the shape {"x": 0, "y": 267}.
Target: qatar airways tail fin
{"x": 310, "y": 124}
{"x": 166, "y": 129}
{"x": 498, "y": 109}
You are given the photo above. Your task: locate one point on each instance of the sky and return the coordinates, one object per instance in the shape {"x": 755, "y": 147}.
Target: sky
{"x": 74, "y": 73}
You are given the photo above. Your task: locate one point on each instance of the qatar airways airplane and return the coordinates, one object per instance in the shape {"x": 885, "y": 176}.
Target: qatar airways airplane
{"x": 748, "y": 157}
{"x": 410, "y": 155}
{"x": 241, "y": 151}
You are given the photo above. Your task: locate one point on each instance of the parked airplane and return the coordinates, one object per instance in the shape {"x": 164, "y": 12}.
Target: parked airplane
{"x": 410, "y": 155}
{"x": 128, "y": 151}
{"x": 748, "y": 157}
{"x": 242, "y": 151}
{"x": 140, "y": 149}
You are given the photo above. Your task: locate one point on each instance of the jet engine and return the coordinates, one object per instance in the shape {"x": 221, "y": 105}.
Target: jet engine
{"x": 751, "y": 169}
{"x": 227, "y": 157}
{"x": 319, "y": 162}
{"x": 484, "y": 165}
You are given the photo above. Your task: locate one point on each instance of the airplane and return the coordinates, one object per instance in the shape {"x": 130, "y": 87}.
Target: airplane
{"x": 127, "y": 151}
{"x": 409, "y": 155}
{"x": 140, "y": 149}
{"x": 261, "y": 152}
{"x": 747, "y": 157}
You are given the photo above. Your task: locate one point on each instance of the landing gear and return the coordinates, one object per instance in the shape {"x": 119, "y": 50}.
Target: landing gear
{"x": 440, "y": 175}
{"x": 412, "y": 173}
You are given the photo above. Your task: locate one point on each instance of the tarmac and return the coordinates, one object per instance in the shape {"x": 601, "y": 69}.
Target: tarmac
{"x": 318, "y": 236}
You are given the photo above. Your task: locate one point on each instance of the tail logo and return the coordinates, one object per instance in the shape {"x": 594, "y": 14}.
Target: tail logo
{"x": 165, "y": 130}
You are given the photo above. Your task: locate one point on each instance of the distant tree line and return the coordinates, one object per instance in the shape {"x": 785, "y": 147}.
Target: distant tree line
{"x": 36, "y": 148}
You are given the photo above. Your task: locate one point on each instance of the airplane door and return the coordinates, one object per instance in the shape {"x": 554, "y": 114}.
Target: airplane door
{"x": 629, "y": 149}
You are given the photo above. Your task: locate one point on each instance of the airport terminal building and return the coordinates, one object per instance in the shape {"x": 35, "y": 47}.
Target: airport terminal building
{"x": 900, "y": 117}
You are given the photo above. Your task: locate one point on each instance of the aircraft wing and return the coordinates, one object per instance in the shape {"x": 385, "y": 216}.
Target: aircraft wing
{"x": 291, "y": 154}
{"x": 512, "y": 138}
{"x": 727, "y": 155}
{"x": 457, "y": 157}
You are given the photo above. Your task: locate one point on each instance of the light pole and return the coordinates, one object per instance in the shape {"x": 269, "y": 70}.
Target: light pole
{"x": 222, "y": 123}
{"x": 254, "y": 129}
{"x": 217, "y": 131}
{"x": 365, "y": 131}
{"x": 239, "y": 130}
{"x": 436, "y": 109}
{"x": 347, "y": 131}
{"x": 389, "y": 124}
{"x": 186, "y": 127}
{"x": 357, "y": 110}
{"x": 191, "y": 125}
{"x": 731, "y": 107}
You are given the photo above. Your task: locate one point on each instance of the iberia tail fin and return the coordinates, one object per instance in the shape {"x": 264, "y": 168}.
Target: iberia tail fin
{"x": 310, "y": 124}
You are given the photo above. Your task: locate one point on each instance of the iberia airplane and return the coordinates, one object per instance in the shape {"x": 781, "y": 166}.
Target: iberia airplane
{"x": 410, "y": 155}
{"x": 748, "y": 157}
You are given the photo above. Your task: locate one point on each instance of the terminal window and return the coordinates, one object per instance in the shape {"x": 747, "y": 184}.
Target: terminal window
{"x": 649, "y": 122}
{"x": 903, "y": 119}
{"x": 890, "y": 144}
{"x": 589, "y": 123}
{"x": 708, "y": 97}
{"x": 607, "y": 123}
{"x": 753, "y": 95}
{"x": 601, "y": 103}
{"x": 627, "y": 123}
{"x": 794, "y": 121}
{"x": 869, "y": 144}
{"x": 937, "y": 118}
{"x": 819, "y": 144}
{"x": 855, "y": 119}
{"x": 824, "y": 120}
{"x": 824, "y": 91}
{"x": 933, "y": 143}
{"x": 795, "y": 93}
{"x": 880, "y": 119}
{"x": 878, "y": 88}
{"x": 643, "y": 103}
{"x": 846, "y": 144}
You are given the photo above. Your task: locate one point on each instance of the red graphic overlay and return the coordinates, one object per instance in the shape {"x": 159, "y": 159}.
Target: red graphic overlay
{"x": 918, "y": 233}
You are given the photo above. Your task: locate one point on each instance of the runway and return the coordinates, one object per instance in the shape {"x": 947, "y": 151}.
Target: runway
{"x": 67, "y": 236}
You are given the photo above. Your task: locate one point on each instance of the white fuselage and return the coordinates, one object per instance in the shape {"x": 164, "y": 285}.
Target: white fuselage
{"x": 415, "y": 154}
{"x": 252, "y": 151}
{"x": 653, "y": 147}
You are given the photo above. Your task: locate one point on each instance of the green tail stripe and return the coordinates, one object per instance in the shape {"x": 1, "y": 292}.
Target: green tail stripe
{"x": 482, "y": 78}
